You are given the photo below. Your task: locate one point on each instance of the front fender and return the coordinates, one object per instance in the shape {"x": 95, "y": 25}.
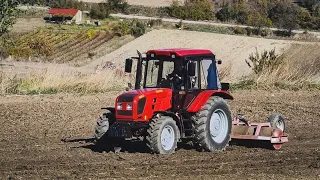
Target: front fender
{"x": 111, "y": 109}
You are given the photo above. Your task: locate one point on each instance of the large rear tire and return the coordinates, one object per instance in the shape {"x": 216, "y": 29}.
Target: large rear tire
{"x": 162, "y": 135}
{"x": 213, "y": 125}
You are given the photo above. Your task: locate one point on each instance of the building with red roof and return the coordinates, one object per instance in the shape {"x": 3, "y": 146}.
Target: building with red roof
{"x": 61, "y": 15}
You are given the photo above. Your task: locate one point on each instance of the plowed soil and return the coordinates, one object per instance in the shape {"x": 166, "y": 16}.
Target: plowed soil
{"x": 50, "y": 137}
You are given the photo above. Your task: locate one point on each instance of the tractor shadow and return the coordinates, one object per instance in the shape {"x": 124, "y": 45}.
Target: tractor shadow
{"x": 252, "y": 144}
{"x": 128, "y": 146}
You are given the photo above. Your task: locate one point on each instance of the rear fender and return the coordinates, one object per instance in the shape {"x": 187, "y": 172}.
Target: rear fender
{"x": 203, "y": 97}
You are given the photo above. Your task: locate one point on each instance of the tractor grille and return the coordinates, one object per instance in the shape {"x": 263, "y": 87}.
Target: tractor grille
{"x": 126, "y": 97}
{"x": 124, "y": 113}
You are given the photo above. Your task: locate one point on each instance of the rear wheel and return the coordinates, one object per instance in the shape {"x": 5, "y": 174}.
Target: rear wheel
{"x": 213, "y": 125}
{"x": 162, "y": 135}
{"x": 277, "y": 121}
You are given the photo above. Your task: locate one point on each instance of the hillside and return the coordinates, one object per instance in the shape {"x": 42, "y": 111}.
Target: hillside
{"x": 232, "y": 50}
{"x": 150, "y": 3}
{"x": 106, "y": 73}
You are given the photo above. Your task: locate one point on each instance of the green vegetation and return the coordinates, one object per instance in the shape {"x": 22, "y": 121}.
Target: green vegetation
{"x": 8, "y": 13}
{"x": 192, "y": 9}
{"x": 148, "y": 11}
{"x": 208, "y": 28}
{"x": 134, "y": 28}
{"x": 57, "y": 3}
{"x": 268, "y": 60}
{"x": 54, "y": 46}
{"x": 251, "y": 83}
{"x": 66, "y": 43}
{"x": 262, "y": 14}
{"x": 97, "y": 10}
{"x": 281, "y": 14}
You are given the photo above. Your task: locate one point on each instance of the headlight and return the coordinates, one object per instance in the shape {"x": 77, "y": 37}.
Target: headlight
{"x": 129, "y": 106}
{"x": 119, "y": 106}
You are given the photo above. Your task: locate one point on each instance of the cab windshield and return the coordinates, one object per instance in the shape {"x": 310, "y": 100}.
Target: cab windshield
{"x": 153, "y": 71}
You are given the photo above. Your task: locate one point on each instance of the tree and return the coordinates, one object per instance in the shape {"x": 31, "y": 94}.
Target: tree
{"x": 258, "y": 21}
{"x": 316, "y": 9}
{"x": 99, "y": 11}
{"x": 305, "y": 19}
{"x": 117, "y": 5}
{"x": 285, "y": 16}
{"x": 8, "y": 13}
{"x": 226, "y": 13}
{"x": 309, "y": 3}
{"x": 66, "y": 4}
{"x": 192, "y": 9}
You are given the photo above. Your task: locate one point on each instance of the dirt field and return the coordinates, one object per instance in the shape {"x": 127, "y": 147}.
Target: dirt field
{"x": 26, "y": 25}
{"x": 34, "y": 130}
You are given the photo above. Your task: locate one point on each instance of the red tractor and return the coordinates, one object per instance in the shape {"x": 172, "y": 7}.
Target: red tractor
{"x": 180, "y": 97}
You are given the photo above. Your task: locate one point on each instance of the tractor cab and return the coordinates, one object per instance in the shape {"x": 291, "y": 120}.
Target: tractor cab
{"x": 177, "y": 69}
{"x": 183, "y": 73}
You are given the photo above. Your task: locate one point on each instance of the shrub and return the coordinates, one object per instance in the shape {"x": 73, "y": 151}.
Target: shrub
{"x": 91, "y": 54}
{"x": 121, "y": 29}
{"x": 265, "y": 32}
{"x": 239, "y": 30}
{"x": 138, "y": 29}
{"x": 226, "y": 13}
{"x": 41, "y": 46}
{"x": 155, "y": 22}
{"x": 267, "y": 60}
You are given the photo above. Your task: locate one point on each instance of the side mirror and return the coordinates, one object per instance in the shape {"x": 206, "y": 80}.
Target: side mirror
{"x": 219, "y": 61}
{"x": 128, "y": 66}
{"x": 129, "y": 87}
{"x": 191, "y": 69}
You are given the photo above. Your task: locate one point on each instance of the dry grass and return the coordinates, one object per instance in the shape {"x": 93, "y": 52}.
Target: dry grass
{"x": 53, "y": 81}
{"x": 301, "y": 63}
{"x": 299, "y": 70}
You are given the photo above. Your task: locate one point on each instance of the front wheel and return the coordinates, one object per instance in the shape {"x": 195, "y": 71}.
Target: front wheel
{"x": 162, "y": 135}
{"x": 102, "y": 125}
{"x": 213, "y": 125}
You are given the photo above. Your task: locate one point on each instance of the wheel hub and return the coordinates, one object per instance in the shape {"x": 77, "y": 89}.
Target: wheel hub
{"x": 167, "y": 137}
{"x": 218, "y": 125}
{"x": 215, "y": 125}
{"x": 280, "y": 125}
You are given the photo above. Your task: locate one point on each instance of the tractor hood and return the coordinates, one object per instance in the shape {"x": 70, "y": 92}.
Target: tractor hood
{"x": 146, "y": 91}
{"x": 141, "y": 103}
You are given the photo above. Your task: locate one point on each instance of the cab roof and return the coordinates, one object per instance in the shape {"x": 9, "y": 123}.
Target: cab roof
{"x": 179, "y": 52}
